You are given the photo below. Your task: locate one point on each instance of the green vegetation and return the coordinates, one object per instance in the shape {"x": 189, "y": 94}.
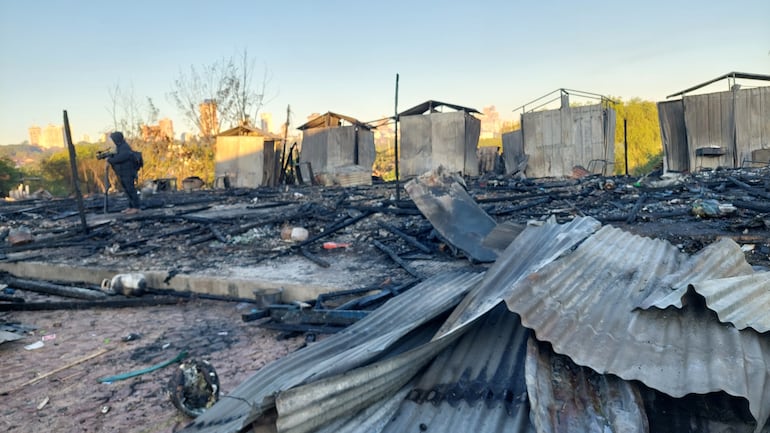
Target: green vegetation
{"x": 645, "y": 148}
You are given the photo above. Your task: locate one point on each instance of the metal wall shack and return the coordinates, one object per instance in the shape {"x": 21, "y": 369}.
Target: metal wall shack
{"x": 247, "y": 157}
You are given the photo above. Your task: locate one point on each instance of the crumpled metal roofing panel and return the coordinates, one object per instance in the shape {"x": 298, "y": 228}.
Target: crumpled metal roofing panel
{"x": 476, "y": 383}
{"x": 721, "y": 259}
{"x": 584, "y": 304}
{"x": 743, "y": 301}
{"x": 340, "y": 352}
{"x": 568, "y": 398}
{"x": 530, "y": 250}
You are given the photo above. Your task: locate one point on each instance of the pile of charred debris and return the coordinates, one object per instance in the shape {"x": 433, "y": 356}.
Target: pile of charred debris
{"x": 194, "y": 231}
{"x": 426, "y": 228}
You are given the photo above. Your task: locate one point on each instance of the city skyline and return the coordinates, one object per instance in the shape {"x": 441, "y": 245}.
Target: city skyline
{"x": 67, "y": 55}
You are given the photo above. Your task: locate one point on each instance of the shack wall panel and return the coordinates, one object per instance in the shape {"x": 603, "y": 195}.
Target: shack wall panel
{"x": 448, "y": 140}
{"x": 366, "y": 149}
{"x": 513, "y": 150}
{"x": 727, "y": 131}
{"x": 314, "y": 149}
{"x": 471, "y": 143}
{"x": 241, "y": 158}
{"x": 415, "y": 147}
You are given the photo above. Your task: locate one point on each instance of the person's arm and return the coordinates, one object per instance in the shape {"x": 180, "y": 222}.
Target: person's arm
{"x": 124, "y": 154}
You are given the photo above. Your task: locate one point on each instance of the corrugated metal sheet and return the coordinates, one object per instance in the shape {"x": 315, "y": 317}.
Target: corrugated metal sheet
{"x": 585, "y": 305}
{"x": 752, "y": 121}
{"x": 743, "y": 301}
{"x": 444, "y": 202}
{"x": 710, "y": 122}
{"x": 341, "y": 352}
{"x": 721, "y": 259}
{"x": 475, "y": 385}
{"x": 532, "y": 249}
{"x": 673, "y": 134}
{"x": 567, "y": 398}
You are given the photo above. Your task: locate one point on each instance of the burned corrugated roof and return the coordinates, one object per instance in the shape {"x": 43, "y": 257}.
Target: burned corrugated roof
{"x": 431, "y": 106}
{"x": 568, "y": 398}
{"x": 584, "y": 304}
{"x": 340, "y": 352}
{"x": 733, "y": 75}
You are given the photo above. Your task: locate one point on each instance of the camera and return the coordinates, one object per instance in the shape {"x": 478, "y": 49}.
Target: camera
{"x": 104, "y": 154}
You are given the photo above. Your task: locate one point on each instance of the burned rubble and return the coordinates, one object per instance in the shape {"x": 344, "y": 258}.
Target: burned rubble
{"x": 371, "y": 248}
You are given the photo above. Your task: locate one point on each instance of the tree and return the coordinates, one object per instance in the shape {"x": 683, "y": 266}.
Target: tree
{"x": 227, "y": 86}
{"x": 9, "y": 175}
{"x": 126, "y": 111}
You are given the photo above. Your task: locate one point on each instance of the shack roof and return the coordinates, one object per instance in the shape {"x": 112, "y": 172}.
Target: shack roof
{"x": 431, "y": 106}
{"x": 242, "y": 130}
{"x": 330, "y": 119}
{"x": 733, "y": 75}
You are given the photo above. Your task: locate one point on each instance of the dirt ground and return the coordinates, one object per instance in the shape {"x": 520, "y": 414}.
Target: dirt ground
{"x": 73, "y": 400}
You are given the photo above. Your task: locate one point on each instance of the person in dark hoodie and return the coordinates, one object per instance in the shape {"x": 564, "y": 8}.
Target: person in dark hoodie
{"x": 123, "y": 162}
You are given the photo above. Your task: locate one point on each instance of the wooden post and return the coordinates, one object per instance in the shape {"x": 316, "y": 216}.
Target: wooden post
{"x": 74, "y": 168}
{"x": 625, "y": 143}
{"x": 282, "y": 174}
{"x": 398, "y": 187}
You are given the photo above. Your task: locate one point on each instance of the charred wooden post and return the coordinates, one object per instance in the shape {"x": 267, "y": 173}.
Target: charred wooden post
{"x": 54, "y": 289}
{"x": 74, "y": 168}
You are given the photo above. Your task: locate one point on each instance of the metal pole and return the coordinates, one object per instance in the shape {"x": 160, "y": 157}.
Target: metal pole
{"x": 398, "y": 187}
{"x": 106, "y": 186}
{"x": 74, "y": 168}
{"x": 625, "y": 143}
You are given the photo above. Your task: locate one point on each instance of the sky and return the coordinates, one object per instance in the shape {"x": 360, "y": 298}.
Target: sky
{"x": 343, "y": 56}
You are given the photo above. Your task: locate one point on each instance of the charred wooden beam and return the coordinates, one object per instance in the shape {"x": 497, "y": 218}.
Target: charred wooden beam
{"x": 54, "y": 289}
{"x": 512, "y": 209}
{"x": 637, "y": 207}
{"x": 752, "y": 206}
{"x": 87, "y": 305}
{"x": 393, "y": 256}
{"x": 411, "y": 240}
{"x": 750, "y": 189}
{"x": 313, "y": 258}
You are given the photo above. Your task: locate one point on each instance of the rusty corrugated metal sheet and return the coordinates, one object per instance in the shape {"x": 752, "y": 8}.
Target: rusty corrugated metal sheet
{"x": 475, "y": 384}
{"x": 568, "y": 398}
{"x": 348, "y": 349}
{"x": 585, "y": 305}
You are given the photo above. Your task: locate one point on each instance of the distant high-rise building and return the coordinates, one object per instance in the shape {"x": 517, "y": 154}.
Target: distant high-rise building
{"x": 52, "y": 136}
{"x": 208, "y": 117}
{"x": 34, "y": 135}
{"x": 266, "y": 122}
{"x": 163, "y": 131}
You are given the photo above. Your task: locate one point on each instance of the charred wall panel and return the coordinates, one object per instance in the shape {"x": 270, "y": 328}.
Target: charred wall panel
{"x": 513, "y": 150}
{"x": 314, "y": 148}
{"x": 673, "y": 134}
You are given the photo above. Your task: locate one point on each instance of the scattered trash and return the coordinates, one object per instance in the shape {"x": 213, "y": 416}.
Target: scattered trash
{"x": 194, "y": 387}
{"x": 266, "y": 297}
{"x": 711, "y": 208}
{"x": 43, "y": 403}
{"x": 335, "y": 245}
{"x": 35, "y": 345}
{"x": 104, "y": 409}
{"x": 182, "y": 355}
{"x": 49, "y": 337}
{"x": 296, "y": 234}
{"x": 131, "y": 337}
{"x": 132, "y": 284}
{"x": 747, "y": 248}
{"x": 20, "y": 236}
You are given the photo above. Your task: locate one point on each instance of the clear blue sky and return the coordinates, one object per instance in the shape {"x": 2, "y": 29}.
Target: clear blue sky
{"x": 343, "y": 55}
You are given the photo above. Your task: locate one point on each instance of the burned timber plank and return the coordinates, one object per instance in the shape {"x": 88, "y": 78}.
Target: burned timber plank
{"x": 54, "y": 289}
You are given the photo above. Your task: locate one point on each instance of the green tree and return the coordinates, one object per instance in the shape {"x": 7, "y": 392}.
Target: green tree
{"x": 644, "y": 143}
{"x": 9, "y": 176}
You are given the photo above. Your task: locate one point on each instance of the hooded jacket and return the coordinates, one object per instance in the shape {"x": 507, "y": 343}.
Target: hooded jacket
{"x": 123, "y": 160}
